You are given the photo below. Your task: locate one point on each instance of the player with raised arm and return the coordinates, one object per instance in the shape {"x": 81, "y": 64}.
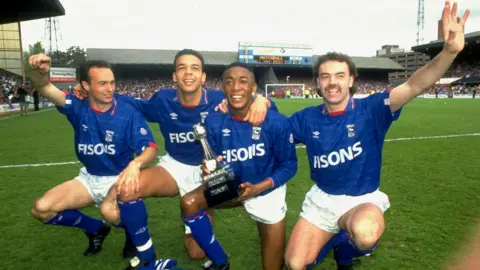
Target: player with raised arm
{"x": 263, "y": 159}
{"x": 108, "y": 133}
{"x": 344, "y": 140}
{"x": 176, "y": 111}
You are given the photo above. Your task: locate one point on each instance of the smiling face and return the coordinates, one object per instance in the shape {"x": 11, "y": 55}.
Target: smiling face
{"x": 334, "y": 82}
{"x": 101, "y": 85}
{"x": 239, "y": 86}
{"x": 189, "y": 74}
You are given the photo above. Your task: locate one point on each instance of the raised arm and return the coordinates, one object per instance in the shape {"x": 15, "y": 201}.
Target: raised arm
{"x": 425, "y": 77}
{"x": 40, "y": 78}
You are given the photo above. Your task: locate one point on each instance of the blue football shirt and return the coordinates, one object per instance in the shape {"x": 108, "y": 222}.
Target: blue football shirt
{"x": 176, "y": 121}
{"x": 254, "y": 153}
{"x": 105, "y": 142}
{"x": 344, "y": 149}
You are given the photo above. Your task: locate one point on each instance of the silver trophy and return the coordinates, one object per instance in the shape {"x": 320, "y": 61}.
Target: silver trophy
{"x": 220, "y": 184}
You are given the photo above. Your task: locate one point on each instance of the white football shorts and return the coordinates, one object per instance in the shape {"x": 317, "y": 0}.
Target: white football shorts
{"x": 324, "y": 210}
{"x": 97, "y": 186}
{"x": 270, "y": 208}
{"x": 188, "y": 177}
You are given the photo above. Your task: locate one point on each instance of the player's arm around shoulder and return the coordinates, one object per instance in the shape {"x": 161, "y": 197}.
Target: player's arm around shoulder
{"x": 40, "y": 77}
{"x": 149, "y": 108}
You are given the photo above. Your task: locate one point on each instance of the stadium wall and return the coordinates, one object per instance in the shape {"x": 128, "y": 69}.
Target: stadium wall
{"x": 11, "y": 56}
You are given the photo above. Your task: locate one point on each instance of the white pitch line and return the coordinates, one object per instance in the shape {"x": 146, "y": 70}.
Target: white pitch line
{"x": 422, "y": 138}
{"x": 299, "y": 146}
{"x": 39, "y": 164}
{"x": 18, "y": 115}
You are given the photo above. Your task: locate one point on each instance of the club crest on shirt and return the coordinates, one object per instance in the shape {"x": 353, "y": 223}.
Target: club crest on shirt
{"x": 351, "y": 130}
{"x": 203, "y": 115}
{"x": 109, "y": 135}
{"x": 256, "y": 133}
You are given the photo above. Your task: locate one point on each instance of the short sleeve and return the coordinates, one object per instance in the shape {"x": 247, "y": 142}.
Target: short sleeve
{"x": 378, "y": 106}
{"x": 297, "y": 126}
{"x": 273, "y": 105}
{"x": 141, "y": 136}
{"x": 72, "y": 107}
{"x": 284, "y": 153}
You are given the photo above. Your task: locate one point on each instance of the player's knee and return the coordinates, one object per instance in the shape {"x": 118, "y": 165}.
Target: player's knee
{"x": 110, "y": 212}
{"x": 190, "y": 204}
{"x": 125, "y": 198}
{"x": 294, "y": 263}
{"x": 194, "y": 251}
{"x": 366, "y": 233}
{"x": 40, "y": 209}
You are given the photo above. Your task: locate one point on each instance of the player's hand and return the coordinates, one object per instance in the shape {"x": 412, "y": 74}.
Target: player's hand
{"x": 128, "y": 181}
{"x": 453, "y": 29}
{"x": 247, "y": 191}
{"x": 223, "y": 107}
{"x": 40, "y": 70}
{"x": 205, "y": 167}
{"x": 257, "y": 112}
{"x": 79, "y": 92}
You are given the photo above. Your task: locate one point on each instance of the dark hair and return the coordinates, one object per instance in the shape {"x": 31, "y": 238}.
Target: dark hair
{"x": 84, "y": 70}
{"x": 239, "y": 64}
{"x": 188, "y": 52}
{"x": 338, "y": 57}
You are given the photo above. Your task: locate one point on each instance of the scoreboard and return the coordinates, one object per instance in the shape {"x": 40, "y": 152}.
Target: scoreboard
{"x": 256, "y": 53}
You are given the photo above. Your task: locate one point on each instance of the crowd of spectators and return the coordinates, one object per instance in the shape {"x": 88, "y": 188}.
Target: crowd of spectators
{"x": 145, "y": 88}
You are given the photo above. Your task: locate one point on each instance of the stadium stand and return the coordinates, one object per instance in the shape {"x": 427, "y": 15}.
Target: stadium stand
{"x": 141, "y": 72}
{"x": 19, "y": 11}
{"x": 464, "y": 75}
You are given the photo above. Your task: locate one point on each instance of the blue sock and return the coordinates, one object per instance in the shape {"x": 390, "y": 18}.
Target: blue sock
{"x": 119, "y": 226}
{"x": 134, "y": 219}
{"x": 347, "y": 251}
{"x": 75, "y": 218}
{"x": 202, "y": 232}
{"x": 335, "y": 241}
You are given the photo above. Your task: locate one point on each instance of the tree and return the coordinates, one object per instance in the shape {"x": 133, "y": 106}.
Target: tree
{"x": 76, "y": 56}
{"x": 59, "y": 59}
{"x": 73, "y": 57}
{"x": 32, "y": 49}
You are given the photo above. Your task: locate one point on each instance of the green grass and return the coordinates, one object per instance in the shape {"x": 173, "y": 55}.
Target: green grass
{"x": 432, "y": 185}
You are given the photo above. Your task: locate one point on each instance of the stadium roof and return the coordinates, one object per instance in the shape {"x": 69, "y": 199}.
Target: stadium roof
{"x": 25, "y": 10}
{"x": 165, "y": 57}
{"x": 438, "y": 44}
{"x": 160, "y": 57}
{"x": 384, "y": 63}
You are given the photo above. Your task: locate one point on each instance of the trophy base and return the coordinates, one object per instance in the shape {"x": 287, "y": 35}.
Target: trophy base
{"x": 218, "y": 194}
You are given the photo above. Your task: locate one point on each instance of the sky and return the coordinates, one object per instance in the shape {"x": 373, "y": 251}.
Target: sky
{"x": 358, "y": 28}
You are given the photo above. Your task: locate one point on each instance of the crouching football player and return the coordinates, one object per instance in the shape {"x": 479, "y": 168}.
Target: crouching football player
{"x": 344, "y": 138}
{"x": 107, "y": 135}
